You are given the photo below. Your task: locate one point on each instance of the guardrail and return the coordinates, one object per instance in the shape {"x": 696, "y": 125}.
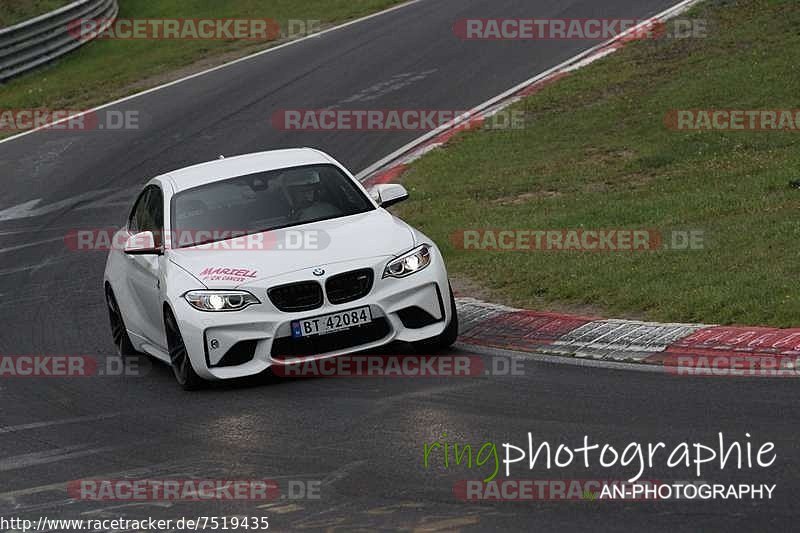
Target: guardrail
{"x": 34, "y": 42}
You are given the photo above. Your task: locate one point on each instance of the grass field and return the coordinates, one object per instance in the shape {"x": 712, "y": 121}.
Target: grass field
{"x": 104, "y": 70}
{"x": 14, "y": 11}
{"x": 597, "y": 154}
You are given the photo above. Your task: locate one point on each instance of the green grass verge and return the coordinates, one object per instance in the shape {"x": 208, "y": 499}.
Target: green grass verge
{"x": 596, "y": 154}
{"x": 105, "y": 70}
{"x": 15, "y": 11}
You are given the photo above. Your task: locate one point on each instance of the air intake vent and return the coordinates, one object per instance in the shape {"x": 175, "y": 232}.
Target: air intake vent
{"x": 303, "y": 296}
{"x": 241, "y": 353}
{"x": 415, "y": 317}
{"x": 349, "y": 286}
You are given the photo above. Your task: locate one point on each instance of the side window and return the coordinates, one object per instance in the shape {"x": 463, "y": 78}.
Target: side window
{"x": 138, "y": 212}
{"x": 155, "y": 214}
{"x": 341, "y": 193}
{"x": 148, "y": 212}
{"x": 155, "y": 211}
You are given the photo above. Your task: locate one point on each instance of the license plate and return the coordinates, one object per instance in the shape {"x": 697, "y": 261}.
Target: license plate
{"x": 322, "y": 325}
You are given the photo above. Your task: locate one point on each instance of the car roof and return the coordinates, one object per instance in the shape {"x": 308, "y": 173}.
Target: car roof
{"x": 231, "y": 167}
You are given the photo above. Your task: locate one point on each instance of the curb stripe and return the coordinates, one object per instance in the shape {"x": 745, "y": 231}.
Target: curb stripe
{"x": 671, "y": 345}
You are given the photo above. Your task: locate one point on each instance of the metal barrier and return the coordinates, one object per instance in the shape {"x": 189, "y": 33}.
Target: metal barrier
{"x": 34, "y": 42}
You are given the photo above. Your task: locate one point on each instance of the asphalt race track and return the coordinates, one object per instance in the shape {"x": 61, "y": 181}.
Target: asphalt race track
{"x": 362, "y": 439}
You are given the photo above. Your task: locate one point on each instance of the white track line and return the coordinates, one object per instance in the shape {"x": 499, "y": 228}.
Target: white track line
{"x": 213, "y": 69}
{"x": 60, "y": 422}
{"x": 68, "y": 453}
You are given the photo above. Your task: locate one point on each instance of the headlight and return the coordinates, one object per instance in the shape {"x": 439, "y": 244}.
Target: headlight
{"x": 220, "y": 300}
{"x": 412, "y": 262}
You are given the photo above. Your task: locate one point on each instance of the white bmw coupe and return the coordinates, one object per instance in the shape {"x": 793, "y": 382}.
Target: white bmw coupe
{"x": 230, "y": 267}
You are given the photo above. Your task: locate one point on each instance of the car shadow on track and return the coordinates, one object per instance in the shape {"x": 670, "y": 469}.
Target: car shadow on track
{"x": 271, "y": 379}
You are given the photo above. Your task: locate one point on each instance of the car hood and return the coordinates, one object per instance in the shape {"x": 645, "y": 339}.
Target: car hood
{"x": 248, "y": 259}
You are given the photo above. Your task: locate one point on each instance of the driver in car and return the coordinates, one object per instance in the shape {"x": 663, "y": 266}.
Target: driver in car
{"x": 303, "y": 190}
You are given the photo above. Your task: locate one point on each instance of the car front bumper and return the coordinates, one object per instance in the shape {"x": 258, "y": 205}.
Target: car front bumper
{"x": 255, "y": 338}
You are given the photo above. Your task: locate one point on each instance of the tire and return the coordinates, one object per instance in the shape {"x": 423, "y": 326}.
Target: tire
{"x": 119, "y": 334}
{"x": 179, "y": 356}
{"x": 448, "y": 337}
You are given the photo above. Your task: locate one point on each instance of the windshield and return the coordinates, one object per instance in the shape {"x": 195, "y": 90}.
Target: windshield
{"x": 262, "y": 202}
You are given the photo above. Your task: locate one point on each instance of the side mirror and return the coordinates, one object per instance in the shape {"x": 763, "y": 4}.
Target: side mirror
{"x": 142, "y": 244}
{"x": 389, "y": 194}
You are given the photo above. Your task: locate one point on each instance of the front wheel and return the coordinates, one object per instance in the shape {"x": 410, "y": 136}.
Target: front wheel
{"x": 179, "y": 356}
{"x": 119, "y": 333}
{"x": 446, "y": 338}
